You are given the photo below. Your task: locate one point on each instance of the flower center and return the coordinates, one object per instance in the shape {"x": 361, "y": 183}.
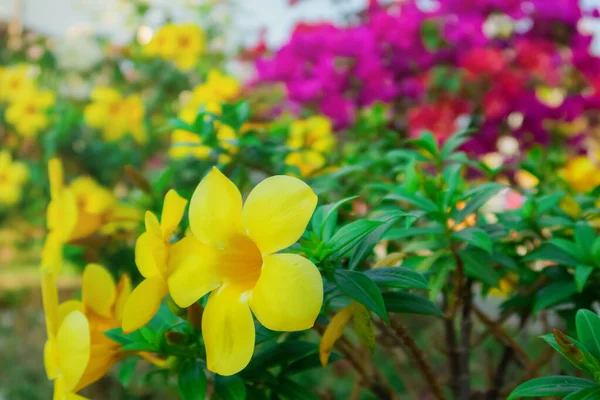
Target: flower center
{"x": 184, "y": 41}
{"x": 240, "y": 261}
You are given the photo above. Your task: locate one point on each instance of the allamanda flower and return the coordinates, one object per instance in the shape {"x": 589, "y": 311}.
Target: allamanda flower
{"x": 102, "y": 303}
{"x": 67, "y": 349}
{"x": 116, "y": 115}
{"x": 77, "y": 211}
{"x": 233, "y": 254}
{"x": 183, "y": 44}
{"x": 582, "y": 173}
{"x": 153, "y": 250}
{"x": 309, "y": 141}
{"x": 28, "y": 111}
{"x": 13, "y": 174}
{"x": 14, "y": 80}
{"x": 188, "y": 144}
{"x": 218, "y": 88}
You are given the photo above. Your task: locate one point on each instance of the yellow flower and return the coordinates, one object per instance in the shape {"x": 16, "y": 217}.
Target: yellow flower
{"x": 14, "y": 80}
{"x": 232, "y": 254}
{"x": 310, "y": 140}
{"x": 308, "y": 162}
{"x": 218, "y": 88}
{"x": 152, "y": 251}
{"x": 183, "y": 44}
{"x": 102, "y": 303}
{"x": 314, "y": 133}
{"x": 28, "y": 111}
{"x": 82, "y": 208}
{"x": 188, "y": 144}
{"x": 67, "y": 349}
{"x": 115, "y": 115}
{"x": 582, "y": 173}
{"x": 13, "y": 175}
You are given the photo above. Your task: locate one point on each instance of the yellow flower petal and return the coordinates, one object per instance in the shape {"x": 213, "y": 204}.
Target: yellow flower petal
{"x": 143, "y": 303}
{"x": 173, "y": 209}
{"x": 67, "y": 307}
{"x": 56, "y": 177}
{"x": 98, "y": 290}
{"x": 152, "y": 224}
{"x": 50, "y": 302}
{"x": 73, "y": 348}
{"x": 123, "y": 292}
{"x": 52, "y": 253}
{"x": 62, "y": 215}
{"x": 277, "y": 211}
{"x": 289, "y": 293}
{"x": 215, "y": 209}
{"x": 193, "y": 272}
{"x": 150, "y": 255}
{"x": 228, "y": 331}
{"x": 51, "y": 360}
{"x": 334, "y": 331}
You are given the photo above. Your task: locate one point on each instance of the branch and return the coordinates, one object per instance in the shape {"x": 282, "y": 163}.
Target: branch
{"x": 370, "y": 376}
{"x": 400, "y": 336}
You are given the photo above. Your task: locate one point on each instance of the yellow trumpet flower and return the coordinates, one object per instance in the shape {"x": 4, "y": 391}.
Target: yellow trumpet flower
{"x": 116, "y": 115}
{"x": 28, "y": 111}
{"x": 310, "y": 140}
{"x": 582, "y": 173}
{"x": 233, "y": 254}
{"x": 152, "y": 250}
{"x": 183, "y": 44}
{"x": 67, "y": 350}
{"x": 14, "y": 80}
{"x": 13, "y": 175}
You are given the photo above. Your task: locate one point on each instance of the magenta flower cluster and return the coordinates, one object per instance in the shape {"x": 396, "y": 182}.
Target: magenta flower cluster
{"x": 507, "y": 67}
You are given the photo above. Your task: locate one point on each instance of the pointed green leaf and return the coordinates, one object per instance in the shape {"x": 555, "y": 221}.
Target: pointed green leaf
{"x": 362, "y": 289}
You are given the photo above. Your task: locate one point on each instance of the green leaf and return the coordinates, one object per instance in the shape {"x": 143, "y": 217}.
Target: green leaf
{"x": 411, "y": 177}
{"x": 428, "y": 143}
{"x": 191, "y": 381}
{"x": 550, "y": 252}
{"x": 363, "y": 326}
{"x": 452, "y": 178}
{"x": 547, "y": 202}
{"x": 476, "y": 237}
{"x": 592, "y": 393}
{"x": 278, "y": 354}
{"x": 581, "y": 364}
{"x": 408, "y": 303}
{"x": 478, "y": 197}
{"x": 350, "y": 235}
{"x": 401, "y": 233}
{"x": 453, "y": 143}
{"x": 588, "y": 331}
{"x": 478, "y": 265}
{"x": 582, "y": 273}
{"x": 397, "y": 277}
{"x": 553, "y": 294}
{"x": 414, "y": 199}
{"x": 568, "y": 247}
{"x": 550, "y": 386}
{"x": 584, "y": 237}
{"x": 229, "y": 388}
{"x": 325, "y": 218}
{"x": 176, "y": 123}
{"x": 596, "y": 251}
{"x": 126, "y": 370}
{"x": 290, "y": 390}
{"x": 365, "y": 246}
{"x": 362, "y": 289}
